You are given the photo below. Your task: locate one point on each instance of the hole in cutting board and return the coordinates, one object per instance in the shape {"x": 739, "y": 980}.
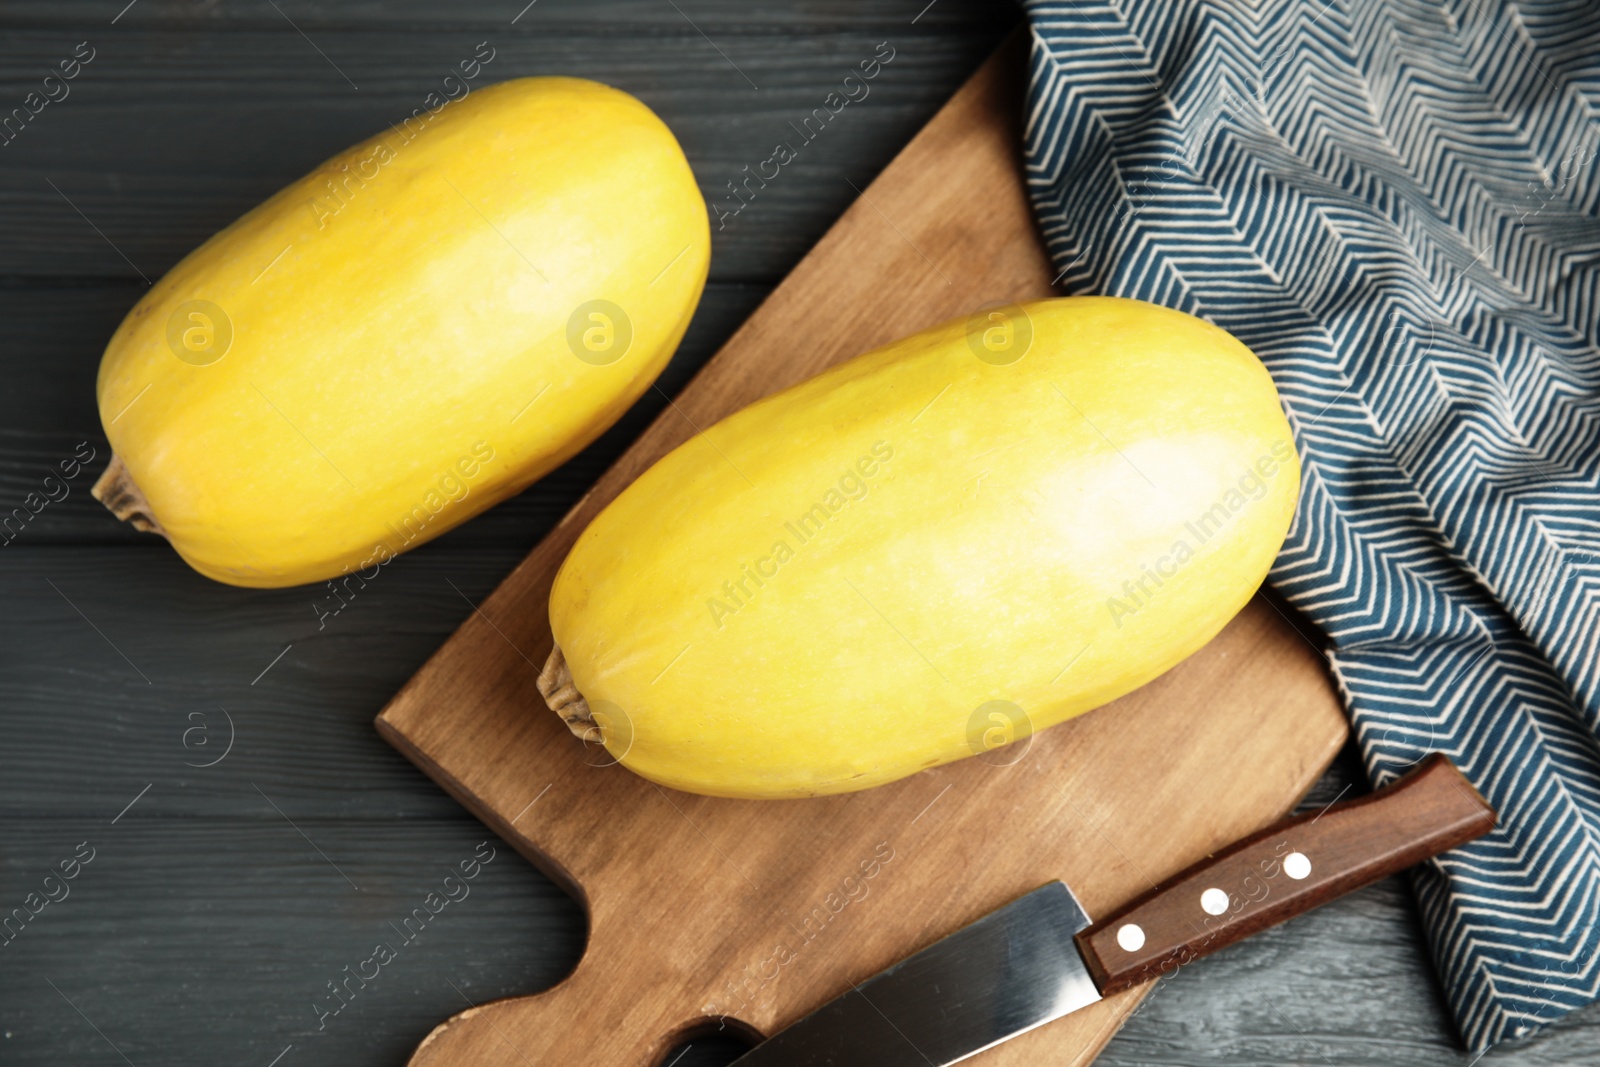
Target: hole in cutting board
{"x": 709, "y": 1050}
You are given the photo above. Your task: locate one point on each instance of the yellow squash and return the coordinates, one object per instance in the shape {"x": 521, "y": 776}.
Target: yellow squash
{"x": 926, "y": 553}
{"x": 408, "y": 335}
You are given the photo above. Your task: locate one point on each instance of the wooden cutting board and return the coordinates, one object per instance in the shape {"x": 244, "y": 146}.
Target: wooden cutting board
{"x": 706, "y": 913}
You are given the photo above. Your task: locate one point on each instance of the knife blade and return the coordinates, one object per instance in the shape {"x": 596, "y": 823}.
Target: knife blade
{"x": 1040, "y": 957}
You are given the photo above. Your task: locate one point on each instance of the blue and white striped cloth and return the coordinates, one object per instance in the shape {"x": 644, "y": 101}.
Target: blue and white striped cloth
{"x": 1394, "y": 203}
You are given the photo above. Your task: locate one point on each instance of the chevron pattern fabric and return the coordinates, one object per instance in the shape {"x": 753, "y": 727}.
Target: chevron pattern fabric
{"x": 1394, "y": 203}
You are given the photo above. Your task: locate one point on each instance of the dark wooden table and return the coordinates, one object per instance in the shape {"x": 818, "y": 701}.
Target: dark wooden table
{"x": 251, "y": 834}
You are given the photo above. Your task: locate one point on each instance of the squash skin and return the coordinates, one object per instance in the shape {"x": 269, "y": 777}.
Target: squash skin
{"x": 980, "y": 562}
{"x": 400, "y": 356}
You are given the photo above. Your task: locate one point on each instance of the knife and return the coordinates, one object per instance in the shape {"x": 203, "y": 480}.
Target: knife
{"x": 1039, "y": 957}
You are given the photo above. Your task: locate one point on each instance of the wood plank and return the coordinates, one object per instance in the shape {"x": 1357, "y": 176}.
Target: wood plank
{"x": 943, "y": 230}
{"x": 595, "y": 18}
{"x": 166, "y": 137}
{"x": 102, "y": 620}
{"x": 199, "y": 940}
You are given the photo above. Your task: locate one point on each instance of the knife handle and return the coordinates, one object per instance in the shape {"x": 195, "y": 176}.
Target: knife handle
{"x": 1285, "y": 870}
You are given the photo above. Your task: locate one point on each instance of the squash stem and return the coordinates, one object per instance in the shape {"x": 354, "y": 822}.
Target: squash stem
{"x": 117, "y": 491}
{"x": 561, "y": 694}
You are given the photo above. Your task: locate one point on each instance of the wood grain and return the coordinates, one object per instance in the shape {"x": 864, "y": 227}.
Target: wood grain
{"x": 773, "y": 909}
{"x": 640, "y": 18}
{"x": 1341, "y": 849}
{"x": 245, "y": 113}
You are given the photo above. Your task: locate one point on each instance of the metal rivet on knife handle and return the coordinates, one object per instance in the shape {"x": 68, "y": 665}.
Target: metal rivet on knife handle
{"x": 1269, "y": 877}
{"x": 1130, "y": 937}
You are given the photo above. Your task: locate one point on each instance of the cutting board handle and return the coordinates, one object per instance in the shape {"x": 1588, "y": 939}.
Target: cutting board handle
{"x": 1284, "y": 870}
